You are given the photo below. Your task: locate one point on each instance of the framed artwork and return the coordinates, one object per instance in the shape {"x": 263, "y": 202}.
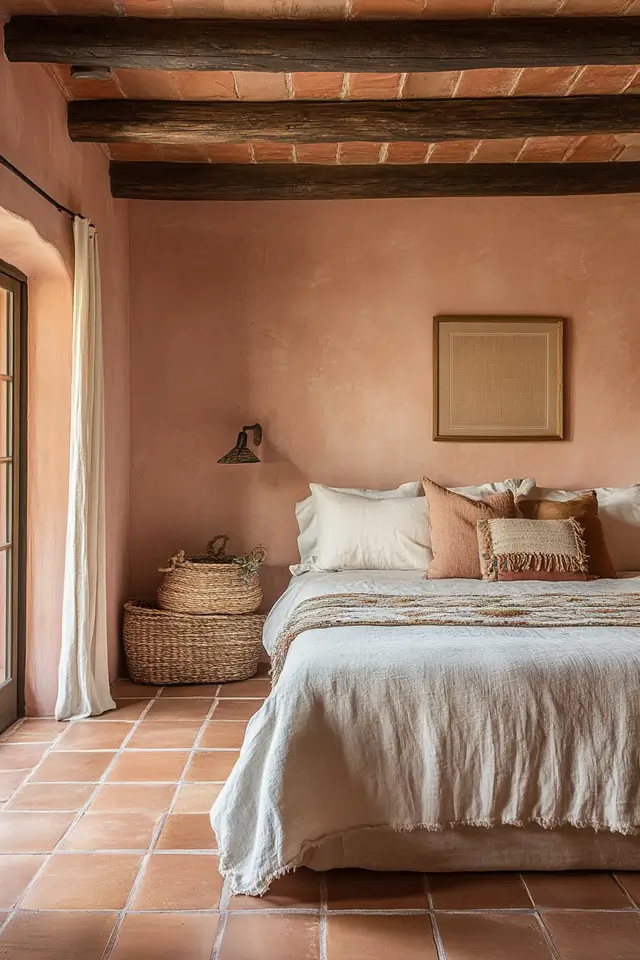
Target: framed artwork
{"x": 498, "y": 378}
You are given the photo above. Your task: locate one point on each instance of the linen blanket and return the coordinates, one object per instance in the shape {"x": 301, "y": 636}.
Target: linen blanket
{"x": 431, "y": 726}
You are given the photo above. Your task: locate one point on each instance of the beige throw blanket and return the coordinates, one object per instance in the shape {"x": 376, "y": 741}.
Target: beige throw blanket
{"x": 413, "y": 724}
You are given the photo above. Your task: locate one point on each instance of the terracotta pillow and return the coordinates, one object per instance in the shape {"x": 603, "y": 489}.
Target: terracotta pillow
{"x": 584, "y": 509}
{"x": 532, "y": 549}
{"x": 453, "y": 520}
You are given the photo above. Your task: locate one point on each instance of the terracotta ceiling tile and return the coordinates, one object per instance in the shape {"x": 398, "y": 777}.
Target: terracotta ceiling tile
{"x": 85, "y": 89}
{"x": 487, "y": 83}
{"x": 373, "y": 86}
{"x": 261, "y": 86}
{"x": 147, "y": 8}
{"x": 545, "y": 81}
{"x": 317, "y": 152}
{"x": 633, "y": 10}
{"x": 253, "y": 8}
{"x": 206, "y": 85}
{"x": 387, "y": 8}
{"x": 319, "y": 9}
{"x": 431, "y": 84}
{"x": 458, "y": 9}
{"x": 630, "y": 153}
{"x": 309, "y": 86}
{"x": 359, "y": 152}
{"x": 596, "y": 148}
{"x": 527, "y": 8}
{"x": 407, "y": 152}
{"x": 148, "y": 84}
{"x": 199, "y": 8}
{"x": 181, "y": 152}
{"x": 76, "y": 8}
{"x": 603, "y": 79}
{"x": 132, "y": 151}
{"x": 30, "y": 7}
{"x": 272, "y": 152}
{"x": 227, "y": 152}
{"x": 498, "y": 151}
{"x": 546, "y": 149}
{"x": 634, "y": 86}
{"x": 452, "y": 151}
{"x": 591, "y": 8}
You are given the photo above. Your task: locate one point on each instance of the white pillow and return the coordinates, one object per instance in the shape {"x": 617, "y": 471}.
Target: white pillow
{"x": 519, "y": 488}
{"x": 306, "y": 517}
{"x": 619, "y": 512}
{"x": 364, "y": 533}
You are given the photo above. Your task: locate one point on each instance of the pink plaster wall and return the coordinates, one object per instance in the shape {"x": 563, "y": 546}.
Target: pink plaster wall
{"x": 38, "y": 240}
{"x": 316, "y": 318}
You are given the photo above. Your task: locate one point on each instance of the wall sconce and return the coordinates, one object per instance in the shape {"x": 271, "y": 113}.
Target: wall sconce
{"x": 241, "y": 452}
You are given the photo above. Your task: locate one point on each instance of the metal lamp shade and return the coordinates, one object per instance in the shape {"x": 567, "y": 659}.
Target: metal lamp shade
{"x": 240, "y": 453}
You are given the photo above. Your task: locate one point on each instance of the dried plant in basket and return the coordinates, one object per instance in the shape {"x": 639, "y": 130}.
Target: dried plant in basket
{"x": 213, "y": 582}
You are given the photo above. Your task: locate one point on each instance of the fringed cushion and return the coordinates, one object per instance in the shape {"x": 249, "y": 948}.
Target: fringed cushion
{"x": 532, "y": 550}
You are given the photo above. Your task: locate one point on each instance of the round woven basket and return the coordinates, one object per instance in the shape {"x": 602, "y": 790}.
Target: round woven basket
{"x": 214, "y": 582}
{"x": 170, "y": 648}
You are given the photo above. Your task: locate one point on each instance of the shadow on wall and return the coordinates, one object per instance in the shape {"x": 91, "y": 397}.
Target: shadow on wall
{"x": 50, "y": 295}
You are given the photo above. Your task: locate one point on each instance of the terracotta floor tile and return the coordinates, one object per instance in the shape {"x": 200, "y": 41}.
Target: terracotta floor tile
{"x": 51, "y": 796}
{"x": 631, "y": 883}
{"x": 236, "y": 709}
{"x": 165, "y": 736}
{"x": 211, "y": 765}
{"x": 196, "y": 797}
{"x": 371, "y": 890}
{"x": 15, "y": 874}
{"x": 179, "y": 708}
{"x": 179, "y": 882}
{"x": 20, "y": 756}
{"x": 10, "y": 781}
{"x": 112, "y": 831}
{"x": 125, "y": 710}
{"x": 81, "y": 767}
{"x": 294, "y": 890}
{"x": 128, "y": 690}
{"x": 256, "y": 687}
{"x": 93, "y": 735}
{"x": 84, "y": 881}
{"x": 52, "y": 936}
{"x": 478, "y": 891}
{"x": 495, "y": 936}
{"x": 187, "y": 831}
{"x": 270, "y": 937}
{"x": 380, "y": 938}
{"x": 133, "y": 798}
{"x": 208, "y": 690}
{"x": 166, "y": 936}
{"x": 32, "y": 832}
{"x": 35, "y": 731}
{"x": 586, "y": 890}
{"x": 149, "y": 765}
{"x": 223, "y": 734}
{"x": 594, "y": 936}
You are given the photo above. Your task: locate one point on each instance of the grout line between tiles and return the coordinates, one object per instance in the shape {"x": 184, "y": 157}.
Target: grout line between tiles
{"x": 437, "y": 937}
{"x": 323, "y": 916}
{"x": 625, "y": 891}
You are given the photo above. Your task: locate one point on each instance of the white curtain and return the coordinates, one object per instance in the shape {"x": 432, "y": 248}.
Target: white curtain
{"x": 83, "y": 677}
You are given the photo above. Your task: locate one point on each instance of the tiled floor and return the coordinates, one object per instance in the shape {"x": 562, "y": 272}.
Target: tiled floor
{"x": 106, "y": 851}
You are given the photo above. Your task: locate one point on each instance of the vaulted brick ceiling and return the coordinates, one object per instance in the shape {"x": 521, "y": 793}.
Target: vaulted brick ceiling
{"x": 543, "y": 81}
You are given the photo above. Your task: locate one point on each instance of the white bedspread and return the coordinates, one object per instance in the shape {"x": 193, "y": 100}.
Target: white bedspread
{"x": 431, "y": 727}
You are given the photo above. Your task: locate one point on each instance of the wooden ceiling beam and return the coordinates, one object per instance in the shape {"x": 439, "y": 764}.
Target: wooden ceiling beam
{"x": 210, "y": 181}
{"x": 149, "y": 121}
{"x": 351, "y": 46}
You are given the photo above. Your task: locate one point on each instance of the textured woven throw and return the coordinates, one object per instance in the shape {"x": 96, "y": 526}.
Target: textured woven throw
{"x": 524, "y": 610}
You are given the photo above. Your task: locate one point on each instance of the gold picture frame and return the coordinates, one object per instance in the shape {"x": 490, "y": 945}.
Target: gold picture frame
{"x": 498, "y": 378}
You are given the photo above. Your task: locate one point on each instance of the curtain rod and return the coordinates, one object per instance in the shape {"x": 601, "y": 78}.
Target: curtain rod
{"x": 34, "y": 186}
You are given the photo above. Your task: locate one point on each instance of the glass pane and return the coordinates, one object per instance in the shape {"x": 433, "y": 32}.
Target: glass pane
{"x": 6, "y": 418}
{"x": 6, "y": 500}
{"x": 6, "y": 331}
{"x": 5, "y": 615}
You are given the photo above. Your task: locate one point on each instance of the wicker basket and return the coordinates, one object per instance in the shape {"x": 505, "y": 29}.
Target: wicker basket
{"x": 170, "y": 648}
{"x": 212, "y": 583}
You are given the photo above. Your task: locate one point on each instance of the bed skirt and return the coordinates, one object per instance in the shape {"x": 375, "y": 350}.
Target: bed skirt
{"x": 477, "y": 848}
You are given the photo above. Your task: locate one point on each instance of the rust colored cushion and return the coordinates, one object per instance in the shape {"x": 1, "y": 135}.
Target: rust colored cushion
{"x": 584, "y": 509}
{"x": 453, "y": 520}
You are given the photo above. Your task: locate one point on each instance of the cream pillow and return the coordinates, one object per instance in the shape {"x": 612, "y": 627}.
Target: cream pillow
{"x": 361, "y": 533}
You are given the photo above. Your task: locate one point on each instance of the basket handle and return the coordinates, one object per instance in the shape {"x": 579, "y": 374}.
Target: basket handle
{"x": 175, "y": 561}
{"x": 220, "y": 551}
{"x": 258, "y": 555}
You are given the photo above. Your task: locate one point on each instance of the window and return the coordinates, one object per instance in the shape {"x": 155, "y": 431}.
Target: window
{"x": 12, "y": 500}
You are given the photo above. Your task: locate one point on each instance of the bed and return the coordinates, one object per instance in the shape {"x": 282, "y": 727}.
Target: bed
{"x": 473, "y": 737}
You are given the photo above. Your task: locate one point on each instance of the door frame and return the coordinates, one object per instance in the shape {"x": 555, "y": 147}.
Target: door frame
{"x": 19, "y": 518}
